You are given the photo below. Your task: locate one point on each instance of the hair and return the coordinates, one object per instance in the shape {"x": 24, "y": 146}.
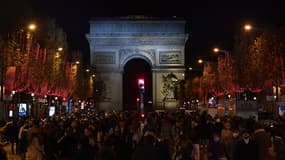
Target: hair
{"x": 149, "y": 139}
{"x": 258, "y": 125}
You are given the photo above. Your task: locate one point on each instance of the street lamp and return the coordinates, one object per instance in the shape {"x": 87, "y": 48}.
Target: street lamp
{"x": 200, "y": 61}
{"x": 247, "y": 27}
{"x": 60, "y": 49}
{"x": 32, "y": 27}
{"x": 227, "y": 72}
{"x": 216, "y": 50}
{"x": 196, "y": 71}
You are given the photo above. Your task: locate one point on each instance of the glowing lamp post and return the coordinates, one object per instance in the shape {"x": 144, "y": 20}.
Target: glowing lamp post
{"x": 138, "y": 102}
{"x": 247, "y": 27}
{"x": 141, "y": 90}
{"x": 32, "y": 27}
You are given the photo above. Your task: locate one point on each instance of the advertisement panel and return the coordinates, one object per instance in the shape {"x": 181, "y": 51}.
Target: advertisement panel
{"x": 22, "y": 109}
{"x": 51, "y": 111}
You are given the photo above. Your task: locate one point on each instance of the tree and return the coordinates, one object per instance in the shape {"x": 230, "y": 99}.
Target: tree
{"x": 52, "y": 37}
{"x": 267, "y": 54}
{"x": 241, "y": 55}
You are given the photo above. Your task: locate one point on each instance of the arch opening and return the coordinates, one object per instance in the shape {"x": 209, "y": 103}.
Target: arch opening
{"x": 135, "y": 69}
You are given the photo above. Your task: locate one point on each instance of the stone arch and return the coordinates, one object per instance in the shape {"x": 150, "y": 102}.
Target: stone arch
{"x": 139, "y": 55}
{"x": 115, "y": 42}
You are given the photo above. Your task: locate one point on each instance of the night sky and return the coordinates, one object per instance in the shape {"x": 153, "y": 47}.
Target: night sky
{"x": 209, "y": 23}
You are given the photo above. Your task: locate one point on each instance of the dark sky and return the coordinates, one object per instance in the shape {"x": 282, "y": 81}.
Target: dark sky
{"x": 210, "y": 23}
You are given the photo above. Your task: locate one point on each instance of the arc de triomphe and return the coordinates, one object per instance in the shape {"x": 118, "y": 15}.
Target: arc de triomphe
{"x": 114, "y": 42}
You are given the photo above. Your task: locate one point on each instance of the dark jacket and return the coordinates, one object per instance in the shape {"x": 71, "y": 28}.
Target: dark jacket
{"x": 246, "y": 151}
{"x": 149, "y": 150}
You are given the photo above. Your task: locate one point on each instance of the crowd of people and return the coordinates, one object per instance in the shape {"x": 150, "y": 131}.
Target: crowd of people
{"x": 168, "y": 135}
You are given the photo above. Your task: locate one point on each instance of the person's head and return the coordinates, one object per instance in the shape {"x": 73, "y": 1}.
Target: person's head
{"x": 258, "y": 125}
{"x": 87, "y": 131}
{"x": 149, "y": 137}
{"x": 246, "y": 134}
{"x": 216, "y": 137}
{"x": 227, "y": 125}
{"x": 235, "y": 133}
{"x": 218, "y": 120}
{"x": 194, "y": 123}
{"x": 74, "y": 125}
{"x": 117, "y": 130}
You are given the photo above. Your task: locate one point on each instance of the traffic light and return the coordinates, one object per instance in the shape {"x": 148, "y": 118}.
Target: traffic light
{"x": 141, "y": 85}
{"x": 142, "y": 115}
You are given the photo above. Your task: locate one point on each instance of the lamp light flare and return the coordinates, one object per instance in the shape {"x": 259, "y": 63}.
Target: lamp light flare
{"x": 32, "y": 27}
{"x": 247, "y": 27}
{"x": 200, "y": 61}
{"x": 216, "y": 50}
{"x": 60, "y": 49}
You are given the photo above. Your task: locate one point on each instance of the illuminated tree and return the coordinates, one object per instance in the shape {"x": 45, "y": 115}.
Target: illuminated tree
{"x": 51, "y": 37}
{"x": 241, "y": 55}
{"x": 259, "y": 56}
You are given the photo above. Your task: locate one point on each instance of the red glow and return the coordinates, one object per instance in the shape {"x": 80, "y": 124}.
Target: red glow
{"x": 141, "y": 81}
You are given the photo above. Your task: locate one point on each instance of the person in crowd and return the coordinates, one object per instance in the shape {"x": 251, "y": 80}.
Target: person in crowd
{"x": 107, "y": 151}
{"x": 12, "y": 131}
{"x": 216, "y": 149}
{"x": 88, "y": 147}
{"x": 195, "y": 138}
{"x": 231, "y": 146}
{"x": 3, "y": 154}
{"x": 51, "y": 130}
{"x": 226, "y": 133}
{"x": 69, "y": 142}
{"x": 121, "y": 143}
{"x": 278, "y": 143}
{"x": 136, "y": 134}
{"x": 183, "y": 147}
{"x": 35, "y": 149}
{"x": 246, "y": 148}
{"x": 263, "y": 142}
{"x": 147, "y": 148}
{"x": 218, "y": 125}
{"x": 23, "y": 136}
